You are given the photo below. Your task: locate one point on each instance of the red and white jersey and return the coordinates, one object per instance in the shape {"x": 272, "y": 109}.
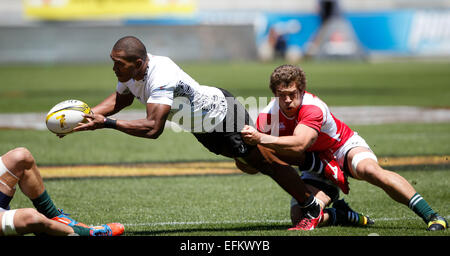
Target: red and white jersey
{"x": 314, "y": 113}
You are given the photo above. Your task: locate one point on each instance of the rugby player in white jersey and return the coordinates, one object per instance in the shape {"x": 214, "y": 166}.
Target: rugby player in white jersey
{"x": 169, "y": 94}
{"x": 302, "y": 123}
{"x": 18, "y": 167}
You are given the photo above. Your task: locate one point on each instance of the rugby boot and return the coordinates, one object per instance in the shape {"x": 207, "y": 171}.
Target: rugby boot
{"x": 437, "y": 223}
{"x": 308, "y": 222}
{"x": 65, "y": 219}
{"x": 110, "y": 229}
{"x": 346, "y": 216}
{"x": 333, "y": 172}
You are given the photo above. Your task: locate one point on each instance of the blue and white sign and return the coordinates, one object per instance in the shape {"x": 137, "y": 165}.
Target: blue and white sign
{"x": 396, "y": 32}
{"x": 410, "y": 32}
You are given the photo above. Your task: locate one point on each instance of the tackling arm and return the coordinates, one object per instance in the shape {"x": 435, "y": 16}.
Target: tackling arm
{"x": 303, "y": 137}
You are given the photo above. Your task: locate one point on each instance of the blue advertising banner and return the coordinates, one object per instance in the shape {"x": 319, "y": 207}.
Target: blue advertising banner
{"x": 397, "y": 32}
{"x": 297, "y": 29}
{"x": 386, "y": 31}
{"x": 407, "y": 32}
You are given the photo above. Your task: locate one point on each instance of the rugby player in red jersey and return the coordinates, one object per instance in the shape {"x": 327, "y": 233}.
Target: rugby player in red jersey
{"x": 297, "y": 122}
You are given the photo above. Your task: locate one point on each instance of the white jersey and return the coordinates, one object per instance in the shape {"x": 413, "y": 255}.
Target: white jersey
{"x": 197, "y": 108}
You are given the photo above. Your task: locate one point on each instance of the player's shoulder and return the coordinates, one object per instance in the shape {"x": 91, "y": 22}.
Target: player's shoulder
{"x": 158, "y": 60}
{"x": 312, "y": 103}
{"x": 161, "y": 69}
{"x": 311, "y": 99}
{"x": 313, "y": 106}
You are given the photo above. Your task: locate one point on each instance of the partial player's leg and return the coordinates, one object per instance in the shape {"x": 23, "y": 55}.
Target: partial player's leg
{"x": 327, "y": 192}
{"x": 366, "y": 168}
{"x": 325, "y": 164}
{"x": 342, "y": 214}
{"x": 363, "y": 165}
{"x": 21, "y": 164}
{"x": 226, "y": 140}
{"x": 322, "y": 198}
{"x": 264, "y": 160}
{"x": 28, "y": 220}
{"x": 18, "y": 166}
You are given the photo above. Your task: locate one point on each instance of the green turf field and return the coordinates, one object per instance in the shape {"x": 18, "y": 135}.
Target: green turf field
{"x": 38, "y": 88}
{"x": 230, "y": 205}
{"x": 222, "y": 205}
{"x": 107, "y": 146}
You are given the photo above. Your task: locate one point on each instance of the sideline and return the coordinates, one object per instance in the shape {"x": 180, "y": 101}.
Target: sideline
{"x": 354, "y": 115}
{"x": 197, "y": 168}
{"x": 231, "y": 222}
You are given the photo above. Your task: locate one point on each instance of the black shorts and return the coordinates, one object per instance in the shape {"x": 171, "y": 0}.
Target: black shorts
{"x": 226, "y": 138}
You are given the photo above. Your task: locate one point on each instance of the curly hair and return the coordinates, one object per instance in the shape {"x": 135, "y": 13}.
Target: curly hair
{"x": 285, "y": 74}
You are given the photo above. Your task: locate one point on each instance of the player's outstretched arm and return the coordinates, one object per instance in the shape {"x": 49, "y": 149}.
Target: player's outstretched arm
{"x": 113, "y": 104}
{"x": 150, "y": 127}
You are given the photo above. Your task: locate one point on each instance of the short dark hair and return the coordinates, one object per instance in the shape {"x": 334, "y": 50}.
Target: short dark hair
{"x": 285, "y": 74}
{"x": 133, "y": 48}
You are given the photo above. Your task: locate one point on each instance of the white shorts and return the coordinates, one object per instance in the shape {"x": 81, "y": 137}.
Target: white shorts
{"x": 352, "y": 142}
{"x": 8, "y": 228}
{"x": 340, "y": 154}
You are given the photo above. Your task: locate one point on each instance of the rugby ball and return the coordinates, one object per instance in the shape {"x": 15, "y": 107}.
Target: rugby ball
{"x": 66, "y": 115}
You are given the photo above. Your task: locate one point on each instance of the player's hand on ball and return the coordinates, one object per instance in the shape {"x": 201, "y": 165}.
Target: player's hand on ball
{"x": 94, "y": 121}
{"x": 251, "y": 135}
{"x": 65, "y": 116}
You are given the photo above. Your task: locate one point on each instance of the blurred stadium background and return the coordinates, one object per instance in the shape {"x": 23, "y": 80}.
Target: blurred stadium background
{"x": 64, "y": 30}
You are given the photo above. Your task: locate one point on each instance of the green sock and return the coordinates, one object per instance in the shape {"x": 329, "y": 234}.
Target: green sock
{"x": 44, "y": 205}
{"x": 420, "y": 207}
{"x": 82, "y": 231}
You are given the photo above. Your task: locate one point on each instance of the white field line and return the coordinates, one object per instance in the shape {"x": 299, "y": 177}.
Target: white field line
{"x": 350, "y": 115}
{"x": 285, "y": 221}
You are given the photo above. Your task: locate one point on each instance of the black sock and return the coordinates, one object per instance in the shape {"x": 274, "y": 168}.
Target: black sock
{"x": 332, "y": 218}
{"x": 311, "y": 207}
{"x": 4, "y": 201}
{"x": 341, "y": 217}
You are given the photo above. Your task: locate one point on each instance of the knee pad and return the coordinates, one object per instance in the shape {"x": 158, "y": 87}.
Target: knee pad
{"x": 8, "y": 227}
{"x": 7, "y": 178}
{"x": 361, "y": 156}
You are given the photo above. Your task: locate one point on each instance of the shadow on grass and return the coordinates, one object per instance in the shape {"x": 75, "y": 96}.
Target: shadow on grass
{"x": 219, "y": 230}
